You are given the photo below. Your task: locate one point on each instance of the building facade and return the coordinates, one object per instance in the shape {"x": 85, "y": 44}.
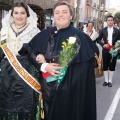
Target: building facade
{"x": 43, "y": 8}
{"x": 89, "y": 10}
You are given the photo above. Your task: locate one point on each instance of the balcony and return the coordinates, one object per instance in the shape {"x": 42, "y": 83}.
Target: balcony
{"x": 94, "y": 5}
{"x": 102, "y": 9}
{"x": 97, "y": 6}
{"x": 88, "y": 2}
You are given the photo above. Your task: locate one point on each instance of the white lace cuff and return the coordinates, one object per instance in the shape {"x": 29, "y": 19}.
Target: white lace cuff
{"x": 43, "y": 67}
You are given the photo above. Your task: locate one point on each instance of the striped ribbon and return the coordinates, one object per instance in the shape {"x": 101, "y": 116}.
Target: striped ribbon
{"x": 20, "y": 70}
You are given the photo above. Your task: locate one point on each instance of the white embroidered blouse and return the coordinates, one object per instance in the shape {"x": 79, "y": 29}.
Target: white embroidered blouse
{"x": 15, "y": 43}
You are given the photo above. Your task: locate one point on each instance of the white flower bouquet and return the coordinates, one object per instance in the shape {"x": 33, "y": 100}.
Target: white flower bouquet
{"x": 69, "y": 50}
{"x": 115, "y": 49}
{"x": 66, "y": 56}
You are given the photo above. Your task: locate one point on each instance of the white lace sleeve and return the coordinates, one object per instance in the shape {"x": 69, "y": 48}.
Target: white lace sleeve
{"x": 94, "y": 35}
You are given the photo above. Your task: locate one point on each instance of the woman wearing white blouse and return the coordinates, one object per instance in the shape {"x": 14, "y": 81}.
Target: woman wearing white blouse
{"x": 90, "y": 31}
{"x": 17, "y": 99}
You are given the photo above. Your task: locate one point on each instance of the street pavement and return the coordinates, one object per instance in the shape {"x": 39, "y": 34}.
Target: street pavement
{"x": 108, "y": 98}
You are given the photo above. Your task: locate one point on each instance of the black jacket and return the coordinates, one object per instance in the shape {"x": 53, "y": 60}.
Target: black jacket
{"x": 104, "y": 36}
{"x": 75, "y": 98}
{"x": 40, "y": 41}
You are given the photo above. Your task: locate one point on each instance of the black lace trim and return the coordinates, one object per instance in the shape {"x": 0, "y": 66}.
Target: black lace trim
{"x": 18, "y": 33}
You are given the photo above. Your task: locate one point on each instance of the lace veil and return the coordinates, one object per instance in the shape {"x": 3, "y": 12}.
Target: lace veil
{"x": 32, "y": 19}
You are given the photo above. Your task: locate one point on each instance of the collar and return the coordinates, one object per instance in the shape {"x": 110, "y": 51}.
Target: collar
{"x": 110, "y": 28}
{"x": 62, "y": 30}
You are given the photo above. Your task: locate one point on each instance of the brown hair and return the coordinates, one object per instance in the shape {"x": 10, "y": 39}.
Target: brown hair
{"x": 20, "y": 4}
{"x": 64, "y": 3}
{"x": 109, "y": 17}
{"x": 89, "y": 23}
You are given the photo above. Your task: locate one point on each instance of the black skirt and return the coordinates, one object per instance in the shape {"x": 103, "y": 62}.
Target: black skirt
{"x": 18, "y": 101}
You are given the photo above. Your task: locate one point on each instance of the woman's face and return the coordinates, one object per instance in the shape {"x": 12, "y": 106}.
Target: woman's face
{"x": 90, "y": 27}
{"x": 62, "y": 16}
{"x": 19, "y": 16}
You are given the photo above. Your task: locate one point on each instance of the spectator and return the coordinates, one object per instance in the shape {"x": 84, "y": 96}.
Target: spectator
{"x": 107, "y": 38}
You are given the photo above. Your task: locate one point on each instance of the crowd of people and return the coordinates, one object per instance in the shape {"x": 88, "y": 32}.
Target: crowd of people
{"x": 26, "y": 51}
{"x": 107, "y": 38}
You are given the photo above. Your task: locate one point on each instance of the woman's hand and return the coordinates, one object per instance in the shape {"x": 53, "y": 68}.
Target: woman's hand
{"x": 52, "y": 69}
{"x": 40, "y": 58}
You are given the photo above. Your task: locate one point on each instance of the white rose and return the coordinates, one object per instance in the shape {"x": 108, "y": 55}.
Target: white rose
{"x": 72, "y": 40}
{"x": 118, "y": 41}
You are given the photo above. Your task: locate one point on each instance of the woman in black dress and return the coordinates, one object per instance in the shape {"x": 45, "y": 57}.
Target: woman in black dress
{"x": 18, "y": 101}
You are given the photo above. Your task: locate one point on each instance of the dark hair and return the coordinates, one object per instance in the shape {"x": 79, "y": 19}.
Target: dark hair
{"x": 110, "y": 16}
{"x": 20, "y": 4}
{"x": 64, "y": 3}
{"x": 89, "y": 23}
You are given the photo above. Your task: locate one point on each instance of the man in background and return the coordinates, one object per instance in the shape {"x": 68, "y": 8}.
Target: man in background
{"x": 107, "y": 38}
